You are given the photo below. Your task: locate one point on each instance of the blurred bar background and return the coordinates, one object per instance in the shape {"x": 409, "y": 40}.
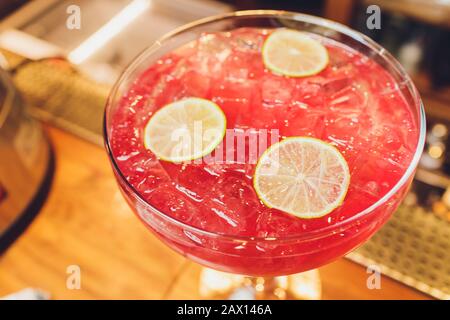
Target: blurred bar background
{"x": 65, "y": 74}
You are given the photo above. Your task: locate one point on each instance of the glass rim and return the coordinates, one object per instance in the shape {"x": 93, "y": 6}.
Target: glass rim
{"x": 361, "y": 38}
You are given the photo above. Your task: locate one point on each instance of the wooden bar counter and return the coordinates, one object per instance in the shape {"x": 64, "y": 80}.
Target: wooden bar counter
{"x": 85, "y": 222}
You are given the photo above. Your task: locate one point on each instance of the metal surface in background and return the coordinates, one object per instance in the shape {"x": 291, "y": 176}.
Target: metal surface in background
{"x": 73, "y": 96}
{"x": 414, "y": 248}
{"x": 57, "y": 93}
{"x": 112, "y": 33}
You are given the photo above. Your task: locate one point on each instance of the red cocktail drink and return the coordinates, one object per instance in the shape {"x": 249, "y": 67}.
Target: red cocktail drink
{"x": 208, "y": 209}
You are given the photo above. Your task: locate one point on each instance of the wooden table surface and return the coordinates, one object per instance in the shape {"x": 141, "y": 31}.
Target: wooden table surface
{"x": 85, "y": 222}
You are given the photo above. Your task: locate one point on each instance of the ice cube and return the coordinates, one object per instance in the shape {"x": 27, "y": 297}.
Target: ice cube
{"x": 168, "y": 199}
{"x": 213, "y": 50}
{"x": 247, "y": 40}
{"x": 234, "y": 98}
{"x": 272, "y": 223}
{"x": 276, "y": 91}
{"x": 195, "y": 181}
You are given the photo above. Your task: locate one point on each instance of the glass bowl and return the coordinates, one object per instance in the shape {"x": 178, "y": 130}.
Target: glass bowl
{"x": 275, "y": 256}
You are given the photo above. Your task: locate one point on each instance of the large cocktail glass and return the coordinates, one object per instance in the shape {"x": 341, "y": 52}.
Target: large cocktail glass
{"x": 266, "y": 262}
